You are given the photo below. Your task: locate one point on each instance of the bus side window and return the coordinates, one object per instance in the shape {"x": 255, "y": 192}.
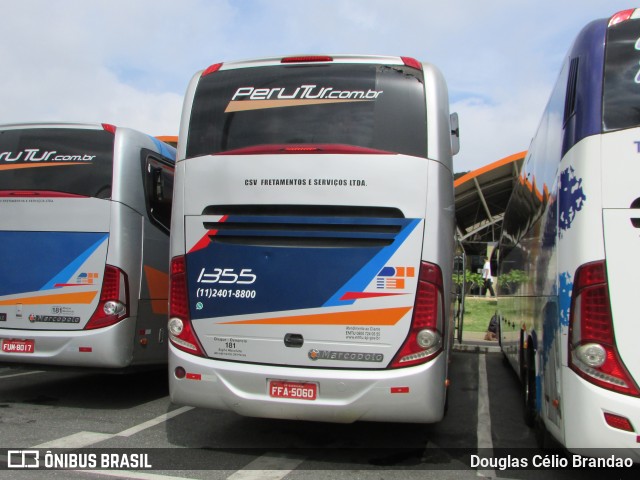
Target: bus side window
{"x": 159, "y": 191}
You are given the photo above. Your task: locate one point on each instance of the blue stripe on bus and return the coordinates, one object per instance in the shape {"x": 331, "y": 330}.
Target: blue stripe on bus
{"x": 31, "y": 260}
{"x": 164, "y": 149}
{"x": 66, "y": 273}
{"x": 362, "y": 278}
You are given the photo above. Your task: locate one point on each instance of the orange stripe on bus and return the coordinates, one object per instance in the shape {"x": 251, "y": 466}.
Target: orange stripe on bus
{"x": 388, "y": 316}
{"x": 158, "y": 283}
{"x": 80, "y": 298}
{"x": 36, "y": 165}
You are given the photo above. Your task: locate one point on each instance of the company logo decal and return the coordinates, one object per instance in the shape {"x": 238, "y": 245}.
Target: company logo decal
{"x": 251, "y": 98}
{"x": 84, "y": 278}
{"x": 393, "y": 278}
{"x": 345, "y": 356}
{"x": 36, "y": 155}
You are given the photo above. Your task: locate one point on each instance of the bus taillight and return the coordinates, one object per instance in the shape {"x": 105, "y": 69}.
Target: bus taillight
{"x": 425, "y": 335}
{"x": 307, "y": 59}
{"x": 211, "y": 69}
{"x": 620, "y": 17}
{"x": 114, "y": 299}
{"x": 107, "y": 127}
{"x": 412, "y": 62}
{"x": 181, "y": 333}
{"x": 592, "y": 351}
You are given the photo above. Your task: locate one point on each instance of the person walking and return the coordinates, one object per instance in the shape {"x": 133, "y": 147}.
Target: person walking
{"x": 487, "y": 278}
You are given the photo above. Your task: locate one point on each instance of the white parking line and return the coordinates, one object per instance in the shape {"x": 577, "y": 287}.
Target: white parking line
{"x": 153, "y": 422}
{"x": 485, "y": 442}
{"x": 20, "y": 374}
{"x": 86, "y": 439}
{"x": 133, "y": 475}
{"x": 269, "y": 466}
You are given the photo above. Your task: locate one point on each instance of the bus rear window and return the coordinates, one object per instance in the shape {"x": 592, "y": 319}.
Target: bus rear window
{"x": 364, "y": 105}
{"x": 67, "y": 160}
{"x": 621, "y": 97}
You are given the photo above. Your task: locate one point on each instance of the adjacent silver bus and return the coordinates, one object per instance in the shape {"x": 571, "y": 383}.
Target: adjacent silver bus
{"x": 85, "y": 242}
{"x": 312, "y": 240}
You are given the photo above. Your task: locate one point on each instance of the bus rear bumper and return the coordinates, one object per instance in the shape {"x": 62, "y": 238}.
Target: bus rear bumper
{"x": 586, "y": 430}
{"x": 413, "y": 394}
{"x": 109, "y": 347}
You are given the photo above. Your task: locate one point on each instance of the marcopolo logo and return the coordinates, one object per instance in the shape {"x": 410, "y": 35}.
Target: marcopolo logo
{"x": 251, "y": 98}
{"x": 345, "y": 356}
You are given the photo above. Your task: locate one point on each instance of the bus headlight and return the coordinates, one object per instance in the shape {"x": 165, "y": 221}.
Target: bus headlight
{"x": 591, "y": 354}
{"x": 175, "y": 326}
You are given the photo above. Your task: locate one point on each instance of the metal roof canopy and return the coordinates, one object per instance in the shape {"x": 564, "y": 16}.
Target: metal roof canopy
{"x": 481, "y": 198}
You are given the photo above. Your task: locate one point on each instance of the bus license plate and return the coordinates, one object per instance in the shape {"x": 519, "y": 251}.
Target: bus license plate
{"x": 295, "y": 390}
{"x": 18, "y": 346}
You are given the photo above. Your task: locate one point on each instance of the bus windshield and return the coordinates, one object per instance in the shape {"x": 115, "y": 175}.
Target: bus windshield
{"x": 621, "y": 98}
{"x": 372, "y": 106}
{"x": 66, "y": 160}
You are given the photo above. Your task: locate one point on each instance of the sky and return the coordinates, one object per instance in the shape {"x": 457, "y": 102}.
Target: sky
{"x": 128, "y": 62}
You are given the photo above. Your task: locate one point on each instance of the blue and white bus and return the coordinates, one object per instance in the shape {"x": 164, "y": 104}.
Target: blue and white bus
{"x": 85, "y": 245}
{"x": 312, "y": 240}
{"x": 571, "y": 229}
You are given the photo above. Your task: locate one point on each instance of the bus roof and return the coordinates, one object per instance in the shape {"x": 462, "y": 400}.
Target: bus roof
{"x": 302, "y": 59}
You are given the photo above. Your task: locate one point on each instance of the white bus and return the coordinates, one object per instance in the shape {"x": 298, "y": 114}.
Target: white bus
{"x": 570, "y": 329}
{"x": 312, "y": 244}
{"x": 85, "y": 245}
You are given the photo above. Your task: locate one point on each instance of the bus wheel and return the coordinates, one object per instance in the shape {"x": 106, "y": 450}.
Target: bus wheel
{"x": 529, "y": 389}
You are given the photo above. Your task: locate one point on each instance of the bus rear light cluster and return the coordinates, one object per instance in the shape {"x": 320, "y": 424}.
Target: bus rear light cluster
{"x": 425, "y": 339}
{"x": 592, "y": 351}
{"x": 114, "y": 299}
{"x": 181, "y": 333}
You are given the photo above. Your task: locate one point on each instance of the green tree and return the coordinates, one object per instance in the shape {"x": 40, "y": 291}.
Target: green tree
{"x": 510, "y": 281}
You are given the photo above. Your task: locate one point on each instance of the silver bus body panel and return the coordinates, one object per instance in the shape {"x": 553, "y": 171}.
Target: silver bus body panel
{"x": 345, "y": 396}
{"x": 99, "y": 348}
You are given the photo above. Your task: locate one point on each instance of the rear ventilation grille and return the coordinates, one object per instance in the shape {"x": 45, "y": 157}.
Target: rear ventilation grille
{"x": 304, "y": 226}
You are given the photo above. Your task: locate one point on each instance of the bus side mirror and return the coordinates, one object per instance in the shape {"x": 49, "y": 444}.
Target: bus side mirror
{"x": 455, "y": 133}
